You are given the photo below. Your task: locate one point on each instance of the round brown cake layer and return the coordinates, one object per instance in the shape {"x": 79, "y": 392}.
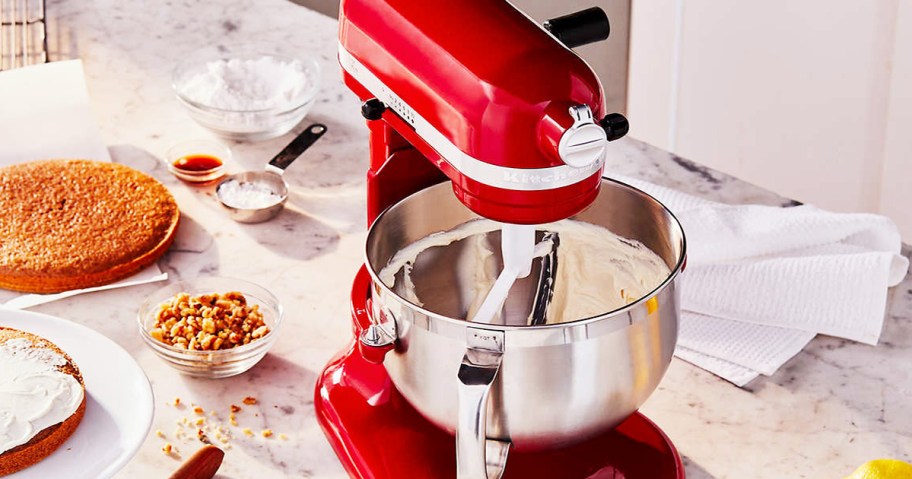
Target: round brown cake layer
{"x": 70, "y": 224}
{"x": 49, "y": 439}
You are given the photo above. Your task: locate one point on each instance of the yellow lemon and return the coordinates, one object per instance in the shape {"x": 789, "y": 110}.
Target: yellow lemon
{"x": 883, "y": 469}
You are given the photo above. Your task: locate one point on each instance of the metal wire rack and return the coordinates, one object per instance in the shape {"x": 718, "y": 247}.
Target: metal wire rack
{"x": 23, "y": 33}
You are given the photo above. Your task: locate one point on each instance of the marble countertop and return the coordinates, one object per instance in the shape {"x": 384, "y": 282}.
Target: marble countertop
{"x": 833, "y": 407}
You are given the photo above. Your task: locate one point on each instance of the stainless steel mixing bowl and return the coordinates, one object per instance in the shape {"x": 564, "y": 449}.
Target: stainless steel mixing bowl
{"x": 541, "y": 386}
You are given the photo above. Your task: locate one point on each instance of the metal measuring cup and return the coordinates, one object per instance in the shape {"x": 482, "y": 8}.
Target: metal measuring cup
{"x": 270, "y": 179}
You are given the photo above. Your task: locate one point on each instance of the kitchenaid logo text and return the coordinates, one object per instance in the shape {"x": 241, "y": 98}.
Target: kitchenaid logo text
{"x": 554, "y": 175}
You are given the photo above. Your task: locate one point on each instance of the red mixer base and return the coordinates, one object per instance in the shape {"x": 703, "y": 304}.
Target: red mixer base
{"x": 378, "y": 435}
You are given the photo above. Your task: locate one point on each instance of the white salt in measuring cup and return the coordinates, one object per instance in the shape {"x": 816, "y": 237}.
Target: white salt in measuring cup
{"x": 257, "y": 196}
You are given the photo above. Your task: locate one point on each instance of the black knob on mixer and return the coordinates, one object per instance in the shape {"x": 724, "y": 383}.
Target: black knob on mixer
{"x": 585, "y": 26}
{"x": 615, "y": 126}
{"x": 372, "y": 109}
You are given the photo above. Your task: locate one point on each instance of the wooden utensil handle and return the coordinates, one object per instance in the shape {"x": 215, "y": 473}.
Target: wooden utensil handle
{"x": 203, "y": 464}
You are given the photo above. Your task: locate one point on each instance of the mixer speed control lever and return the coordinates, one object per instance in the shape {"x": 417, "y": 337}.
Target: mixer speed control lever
{"x": 372, "y": 109}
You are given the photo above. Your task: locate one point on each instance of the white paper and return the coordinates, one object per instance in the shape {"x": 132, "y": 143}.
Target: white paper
{"x": 45, "y": 114}
{"x": 148, "y": 275}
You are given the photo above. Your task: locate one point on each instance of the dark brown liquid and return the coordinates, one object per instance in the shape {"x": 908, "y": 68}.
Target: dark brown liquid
{"x": 197, "y": 163}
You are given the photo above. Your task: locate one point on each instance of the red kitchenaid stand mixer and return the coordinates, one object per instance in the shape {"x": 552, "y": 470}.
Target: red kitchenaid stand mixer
{"x": 475, "y": 93}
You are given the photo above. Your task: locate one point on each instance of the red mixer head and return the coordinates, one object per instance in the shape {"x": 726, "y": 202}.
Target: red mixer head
{"x": 504, "y": 109}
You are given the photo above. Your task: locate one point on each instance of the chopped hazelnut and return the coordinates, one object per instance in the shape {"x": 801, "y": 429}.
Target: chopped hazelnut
{"x": 235, "y": 408}
{"x": 250, "y": 400}
{"x": 267, "y": 433}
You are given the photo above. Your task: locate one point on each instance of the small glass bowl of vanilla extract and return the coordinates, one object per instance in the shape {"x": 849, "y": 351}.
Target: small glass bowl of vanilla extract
{"x": 198, "y": 161}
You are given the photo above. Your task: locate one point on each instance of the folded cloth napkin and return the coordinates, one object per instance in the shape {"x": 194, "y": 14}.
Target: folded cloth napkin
{"x": 46, "y": 114}
{"x": 762, "y": 281}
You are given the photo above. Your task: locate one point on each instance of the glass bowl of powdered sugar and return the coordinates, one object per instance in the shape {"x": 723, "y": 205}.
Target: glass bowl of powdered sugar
{"x": 246, "y": 96}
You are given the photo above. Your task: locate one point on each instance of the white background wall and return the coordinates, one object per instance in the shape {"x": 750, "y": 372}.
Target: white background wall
{"x": 607, "y": 58}
{"x": 812, "y": 99}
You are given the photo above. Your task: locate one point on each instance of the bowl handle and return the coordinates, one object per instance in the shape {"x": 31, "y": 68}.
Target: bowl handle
{"x": 374, "y": 341}
{"x": 478, "y": 457}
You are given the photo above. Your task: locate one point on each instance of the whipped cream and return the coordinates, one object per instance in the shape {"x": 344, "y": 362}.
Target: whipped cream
{"x": 34, "y": 395}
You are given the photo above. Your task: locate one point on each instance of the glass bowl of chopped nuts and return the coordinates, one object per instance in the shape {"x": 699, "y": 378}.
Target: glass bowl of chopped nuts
{"x": 212, "y": 327}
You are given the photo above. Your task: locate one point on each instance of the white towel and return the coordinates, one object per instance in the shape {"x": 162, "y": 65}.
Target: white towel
{"x": 762, "y": 281}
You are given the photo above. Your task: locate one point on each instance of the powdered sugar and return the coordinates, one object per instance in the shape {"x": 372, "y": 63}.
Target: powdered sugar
{"x": 246, "y": 195}
{"x": 246, "y": 84}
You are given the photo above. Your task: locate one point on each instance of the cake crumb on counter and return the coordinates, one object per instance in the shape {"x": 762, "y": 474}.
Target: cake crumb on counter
{"x": 170, "y": 450}
{"x": 202, "y": 426}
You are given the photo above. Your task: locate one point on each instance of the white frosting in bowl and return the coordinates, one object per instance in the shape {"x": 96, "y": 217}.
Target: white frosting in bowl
{"x": 598, "y": 271}
{"x": 34, "y": 394}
